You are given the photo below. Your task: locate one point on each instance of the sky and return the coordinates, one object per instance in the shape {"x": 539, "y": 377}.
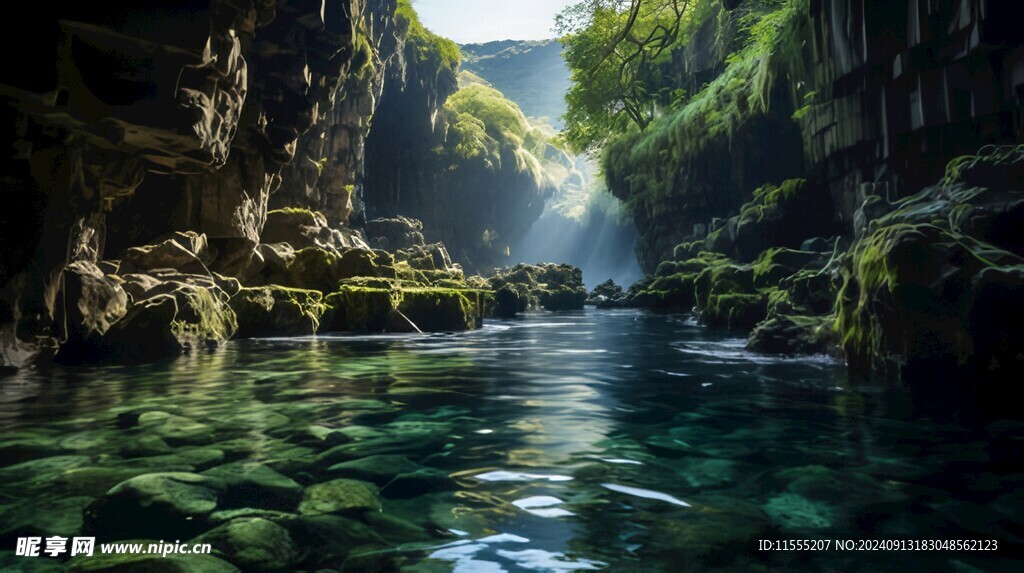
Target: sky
{"x": 478, "y": 21}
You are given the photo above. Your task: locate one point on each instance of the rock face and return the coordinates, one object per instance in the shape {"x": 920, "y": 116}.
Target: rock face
{"x": 168, "y": 155}
{"x": 927, "y": 292}
{"x": 894, "y": 132}
{"x": 462, "y": 161}
{"x": 186, "y": 121}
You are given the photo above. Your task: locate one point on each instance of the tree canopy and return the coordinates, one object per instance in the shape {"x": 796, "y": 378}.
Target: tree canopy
{"x": 618, "y": 51}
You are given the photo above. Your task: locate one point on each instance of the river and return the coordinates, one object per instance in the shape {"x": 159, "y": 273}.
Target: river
{"x": 600, "y": 440}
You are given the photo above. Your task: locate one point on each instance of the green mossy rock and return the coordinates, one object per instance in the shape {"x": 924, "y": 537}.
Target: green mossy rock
{"x": 181, "y": 313}
{"x": 908, "y": 298}
{"x": 735, "y": 311}
{"x": 277, "y": 311}
{"x": 340, "y": 496}
{"x": 783, "y": 216}
{"x": 509, "y": 301}
{"x": 529, "y": 287}
{"x": 253, "y": 544}
{"x": 159, "y": 506}
{"x": 775, "y": 264}
{"x": 358, "y": 309}
{"x": 440, "y": 309}
{"x": 794, "y": 335}
{"x": 246, "y": 484}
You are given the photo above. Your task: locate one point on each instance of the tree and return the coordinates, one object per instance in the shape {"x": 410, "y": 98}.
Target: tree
{"x": 617, "y": 51}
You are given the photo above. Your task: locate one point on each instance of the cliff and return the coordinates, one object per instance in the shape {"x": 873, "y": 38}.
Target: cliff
{"x": 464, "y": 160}
{"x": 189, "y": 173}
{"x": 843, "y": 182}
{"x": 530, "y": 73}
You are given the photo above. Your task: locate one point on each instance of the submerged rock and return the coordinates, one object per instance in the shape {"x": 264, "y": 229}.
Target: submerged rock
{"x": 248, "y": 484}
{"x": 253, "y": 544}
{"x": 160, "y": 505}
{"x": 342, "y": 496}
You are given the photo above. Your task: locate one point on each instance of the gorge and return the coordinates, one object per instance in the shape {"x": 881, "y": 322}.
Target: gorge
{"x": 315, "y": 285}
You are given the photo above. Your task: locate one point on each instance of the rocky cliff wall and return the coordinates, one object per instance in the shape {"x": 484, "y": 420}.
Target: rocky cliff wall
{"x": 131, "y": 122}
{"x": 901, "y": 88}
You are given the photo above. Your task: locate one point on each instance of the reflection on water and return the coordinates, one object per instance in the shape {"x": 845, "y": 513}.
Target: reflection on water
{"x": 604, "y": 440}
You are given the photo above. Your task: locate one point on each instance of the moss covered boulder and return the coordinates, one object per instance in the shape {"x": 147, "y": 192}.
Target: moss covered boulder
{"x": 358, "y": 309}
{"x": 277, "y": 311}
{"x": 443, "y": 309}
{"x": 253, "y": 544}
{"x": 909, "y": 296}
{"x": 158, "y": 506}
{"x": 173, "y": 314}
{"x": 783, "y": 216}
{"x": 340, "y": 496}
{"x": 548, "y": 286}
{"x": 775, "y": 264}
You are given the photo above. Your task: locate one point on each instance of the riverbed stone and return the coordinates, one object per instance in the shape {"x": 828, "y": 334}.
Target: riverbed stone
{"x": 173, "y": 505}
{"x": 377, "y": 469}
{"x": 253, "y": 544}
{"x": 335, "y": 535}
{"x": 342, "y": 496}
{"x": 175, "y": 430}
{"x": 250, "y": 484}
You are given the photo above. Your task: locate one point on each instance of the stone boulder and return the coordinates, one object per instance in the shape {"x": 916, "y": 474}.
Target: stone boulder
{"x": 170, "y": 313}
{"x": 157, "y": 506}
{"x": 302, "y": 228}
{"x": 549, "y": 286}
{"x": 184, "y": 252}
{"x": 253, "y": 544}
{"x": 340, "y": 496}
{"x": 394, "y": 233}
{"x": 277, "y": 311}
{"x": 92, "y": 303}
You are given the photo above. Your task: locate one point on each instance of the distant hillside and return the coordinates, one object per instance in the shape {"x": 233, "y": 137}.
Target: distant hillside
{"x": 532, "y": 74}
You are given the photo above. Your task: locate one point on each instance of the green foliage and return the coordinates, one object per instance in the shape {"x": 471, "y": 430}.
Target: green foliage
{"x": 427, "y": 47}
{"x": 645, "y": 166}
{"x": 499, "y": 117}
{"x": 620, "y": 56}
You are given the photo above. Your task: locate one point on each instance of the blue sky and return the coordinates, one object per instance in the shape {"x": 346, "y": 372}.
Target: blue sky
{"x": 475, "y": 21}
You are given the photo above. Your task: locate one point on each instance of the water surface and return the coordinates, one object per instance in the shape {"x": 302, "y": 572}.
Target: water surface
{"x": 600, "y": 440}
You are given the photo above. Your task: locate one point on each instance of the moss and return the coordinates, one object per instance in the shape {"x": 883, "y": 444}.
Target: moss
{"x": 736, "y": 311}
{"x": 775, "y": 264}
{"x": 686, "y": 251}
{"x": 643, "y": 167}
{"x": 768, "y": 198}
{"x": 277, "y": 311}
{"x": 548, "y": 286}
{"x": 202, "y": 320}
{"x": 442, "y": 309}
{"x": 562, "y": 298}
{"x": 358, "y": 309}
{"x": 427, "y": 47}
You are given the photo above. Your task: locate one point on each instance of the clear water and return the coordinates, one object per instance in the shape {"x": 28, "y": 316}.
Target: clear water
{"x": 601, "y": 440}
